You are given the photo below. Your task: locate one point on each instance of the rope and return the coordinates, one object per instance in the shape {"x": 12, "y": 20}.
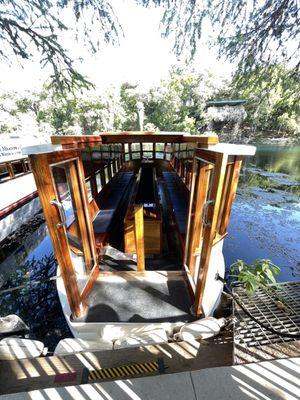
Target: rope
{"x": 263, "y": 325}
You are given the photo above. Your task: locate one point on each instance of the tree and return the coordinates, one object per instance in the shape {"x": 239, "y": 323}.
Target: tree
{"x": 129, "y": 98}
{"x": 178, "y": 103}
{"x": 273, "y": 99}
{"x": 29, "y": 25}
{"x": 251, "y": 33}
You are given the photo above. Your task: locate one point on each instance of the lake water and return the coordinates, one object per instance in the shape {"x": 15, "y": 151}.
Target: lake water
{"x": 265, "y": 223}
{"x": 265, "y": 219}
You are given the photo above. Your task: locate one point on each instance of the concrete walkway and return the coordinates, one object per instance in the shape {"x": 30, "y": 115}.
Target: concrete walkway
{"x": 269, "y": 380}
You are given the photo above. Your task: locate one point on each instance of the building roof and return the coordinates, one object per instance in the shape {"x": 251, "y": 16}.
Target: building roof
{"x": 225, "y": 102}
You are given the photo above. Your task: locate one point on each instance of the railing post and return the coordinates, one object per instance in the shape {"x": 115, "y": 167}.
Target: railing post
{"x": 139, "y": 236}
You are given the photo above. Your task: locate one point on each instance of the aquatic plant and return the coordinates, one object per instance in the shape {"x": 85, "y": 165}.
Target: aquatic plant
{"x": 260, "y": 274}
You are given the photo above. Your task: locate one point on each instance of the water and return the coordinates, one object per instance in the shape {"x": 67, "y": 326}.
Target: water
{"x": 265, "y": 219}
{"x": 265, "y": 223}
{"x": 27, "y": 264}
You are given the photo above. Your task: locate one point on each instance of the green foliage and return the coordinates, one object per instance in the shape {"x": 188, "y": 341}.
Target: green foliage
{"x": 129, "y": 98}
{"x": 260, "y": 274}
{"x": 249, "y": 33}
{"x": 28, "y": 26}
{"x": 178, "y": 103}
{"x": 273, "y": 98}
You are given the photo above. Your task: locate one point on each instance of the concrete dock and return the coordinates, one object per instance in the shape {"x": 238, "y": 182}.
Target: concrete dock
{"x": 268, "y": 380}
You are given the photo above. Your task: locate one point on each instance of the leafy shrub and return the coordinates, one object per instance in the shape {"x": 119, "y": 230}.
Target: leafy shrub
{"x": 260, "y": 274}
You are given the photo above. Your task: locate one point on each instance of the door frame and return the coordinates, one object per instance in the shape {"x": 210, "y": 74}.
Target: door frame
{"x": 41, "y": 168}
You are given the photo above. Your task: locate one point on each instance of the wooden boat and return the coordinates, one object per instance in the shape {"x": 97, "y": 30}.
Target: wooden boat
{"x": 19, "y": 200}
{"x": 137, "y": 221}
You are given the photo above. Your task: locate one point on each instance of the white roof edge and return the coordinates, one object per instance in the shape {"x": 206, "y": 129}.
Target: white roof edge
{"x": 233, "y": 149}
{"x": 42, "y": 148}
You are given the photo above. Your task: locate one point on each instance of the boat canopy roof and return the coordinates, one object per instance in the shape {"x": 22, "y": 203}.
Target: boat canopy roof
{"x": 134, "y": 137}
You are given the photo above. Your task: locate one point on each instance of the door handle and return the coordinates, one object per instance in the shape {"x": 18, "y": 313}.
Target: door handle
{"x": 61, "y": 212}
{"x": 204, "y": 213}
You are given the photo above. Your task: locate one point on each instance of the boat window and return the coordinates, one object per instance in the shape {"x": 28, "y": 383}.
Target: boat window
{"x": 147, "y": 150}
{"x": 17, "y": 167}
{"x": 86, "y": 155}
{"x": 159, "y": 149}
{"x": 168, "y": 151}
{"x": 126, "y": 151}
{"x": 106, "y": 174}
{"x": 28, "y": 166}
{"x": 111, "y": 169}
{"x": 96, "y": 155}
{"x": 89, "y": 188}
{"x": 4, "y": 174}
{"x": 98, "y": 180}
{"x": 116, "y": 165}
{"x": 191, "y": 150}
{"x": 66, "y": 195}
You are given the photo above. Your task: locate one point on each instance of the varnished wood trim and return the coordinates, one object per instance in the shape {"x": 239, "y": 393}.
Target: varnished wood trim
{"x": 210, "y": 230}
{"x": 139, "y": 236}
{"x": 89, "y": 284}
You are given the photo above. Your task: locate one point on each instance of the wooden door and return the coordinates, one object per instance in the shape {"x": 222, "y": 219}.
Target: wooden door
{"x": 61, "y": 186}
{"x": 210, "y": 170}
{"x": 214, "y": 184}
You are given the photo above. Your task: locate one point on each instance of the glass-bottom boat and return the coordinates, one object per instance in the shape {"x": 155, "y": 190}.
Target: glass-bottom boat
{"x": 137, "y": 221}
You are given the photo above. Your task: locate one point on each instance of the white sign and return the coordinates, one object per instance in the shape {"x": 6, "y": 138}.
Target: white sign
{"x": 10, "y": 151}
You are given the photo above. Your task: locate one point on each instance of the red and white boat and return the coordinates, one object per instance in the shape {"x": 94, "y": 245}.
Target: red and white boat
{"x": 19, "y": 201}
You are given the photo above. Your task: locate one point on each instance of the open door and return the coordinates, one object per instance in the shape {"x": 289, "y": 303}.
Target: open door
{"x": 215, "y": 178}
{"x": 61, "y": 186}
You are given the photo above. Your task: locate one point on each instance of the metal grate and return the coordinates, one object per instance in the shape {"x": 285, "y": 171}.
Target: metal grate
{"x": 279, "y": 310}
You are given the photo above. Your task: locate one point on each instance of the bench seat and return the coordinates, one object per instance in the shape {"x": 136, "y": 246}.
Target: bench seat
{"x": 179, "y": 204}
{"x": 104, "y": 217}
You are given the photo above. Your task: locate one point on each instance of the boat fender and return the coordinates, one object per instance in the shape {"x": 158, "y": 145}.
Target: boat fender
{"x": 73, "y": 346}
{"x": 156, "y": 336}
{"x": 12, "y": 324}
{"x": 14, "y": 348}
{"x": 201, "y": 329}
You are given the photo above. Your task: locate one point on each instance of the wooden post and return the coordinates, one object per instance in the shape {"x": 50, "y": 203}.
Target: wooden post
{"x": 141, "y": 150}
{"x": 172, "y": 154}
{"x": 123, "y": 153}
{"x": 165, "y": 149}
{"x": 196, "y": 234}
{"x": 229, "y": 195}
{"x": 102, "y": 176}
{"x": 130, "y": 151}
{"x": 10, "y": 169}
{"x": 154, "y": 150}
{"x": 139, "y": 236}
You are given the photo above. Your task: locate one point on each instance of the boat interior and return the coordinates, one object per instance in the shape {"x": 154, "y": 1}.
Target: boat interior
{"x": 137, "y": 221}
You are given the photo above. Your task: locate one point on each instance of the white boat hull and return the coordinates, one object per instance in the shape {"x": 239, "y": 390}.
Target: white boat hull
{"x": 93, "y": 331}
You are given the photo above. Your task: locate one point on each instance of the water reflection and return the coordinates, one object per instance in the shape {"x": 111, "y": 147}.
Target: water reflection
{"x": 29, "y": 269}
{"x": 266, "y": 213}
{"x": 284, "y": 159}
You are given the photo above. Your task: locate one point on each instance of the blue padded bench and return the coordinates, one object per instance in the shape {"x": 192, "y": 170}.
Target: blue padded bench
{"x": 179, "y": 204}
{"x": 104, "y": 217}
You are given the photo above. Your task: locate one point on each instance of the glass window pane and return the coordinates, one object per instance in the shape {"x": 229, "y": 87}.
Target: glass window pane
{"x": 3, "y": 172}
{"x": 98, "y": 180}
{"x": 106, "y": 174}
{"x": 89, "y": 188}
{"x": 17, "y": 167}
